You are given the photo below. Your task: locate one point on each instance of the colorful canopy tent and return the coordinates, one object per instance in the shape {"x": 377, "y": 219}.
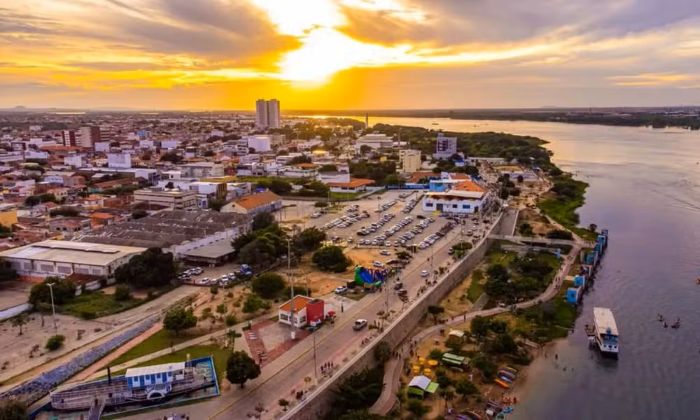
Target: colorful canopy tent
{"x": 450, "y": 359}
{"x": 420, "y": 385}
{"x": 580, "y": 281}
{"x": 370, "y": 277}
{"x": 573, "y": 295}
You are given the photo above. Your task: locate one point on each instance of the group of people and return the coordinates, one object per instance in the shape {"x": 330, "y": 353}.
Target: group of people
{"x": 675, "y": 325}
{"x": 327, "y": 368}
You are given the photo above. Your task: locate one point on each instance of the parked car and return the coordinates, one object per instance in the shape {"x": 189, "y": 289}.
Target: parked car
{"x": 424, "y": 273}
{"x": 359, "y": 324}
{"x": 341, "y": 290}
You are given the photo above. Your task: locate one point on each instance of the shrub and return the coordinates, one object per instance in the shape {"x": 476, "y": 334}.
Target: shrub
{"x": 122, "y": 293}
{"x": 253, "y": 303}
{"x": 230, "y": 320}
{"x": 55, "y": 342}
{"x": 331, "y": 258}
{"x": 268, "y": 285}
{"x": 179, "y": 319}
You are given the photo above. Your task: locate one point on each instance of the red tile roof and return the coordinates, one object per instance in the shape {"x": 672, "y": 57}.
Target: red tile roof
{"x": 253, "y": 201}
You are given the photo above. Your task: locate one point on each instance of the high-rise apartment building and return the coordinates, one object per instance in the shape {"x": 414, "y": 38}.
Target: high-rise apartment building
{"x": 267, "y": 113}
{"x": 68, "y": 137}
{"x": 445, "y": 147}
{"x": 409, "y": 161}
{"x": 88, "y": 136}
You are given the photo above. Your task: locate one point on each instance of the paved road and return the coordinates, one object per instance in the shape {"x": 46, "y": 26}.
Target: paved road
{"x": 338, "y": 343}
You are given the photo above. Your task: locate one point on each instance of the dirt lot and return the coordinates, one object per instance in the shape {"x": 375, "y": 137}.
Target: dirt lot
{"x": 540, "y": 225}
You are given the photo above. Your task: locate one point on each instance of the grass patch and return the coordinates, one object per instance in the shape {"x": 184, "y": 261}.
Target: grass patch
{"x": 549, "y": 320}
{"x": 158, "y": 341}
{"x": 345, "y": 196}
{"x": 476, "y": 288}
{"x": 220, "y": 357}
{"x": 91, "y": 305}
{"x": 562, "y": 208}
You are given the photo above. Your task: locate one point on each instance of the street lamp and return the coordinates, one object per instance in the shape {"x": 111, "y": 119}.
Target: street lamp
{"x": 53, "y": 308}
{"x": 291, "y": 284}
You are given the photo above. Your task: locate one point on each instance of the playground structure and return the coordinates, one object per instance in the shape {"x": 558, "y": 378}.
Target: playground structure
{"x": 370, "y": 277}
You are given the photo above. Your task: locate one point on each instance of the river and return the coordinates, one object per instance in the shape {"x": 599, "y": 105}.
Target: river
{"x": 644, "y": 187}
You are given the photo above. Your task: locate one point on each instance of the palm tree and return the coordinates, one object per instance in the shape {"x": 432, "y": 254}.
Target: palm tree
{"x": 19, "y": 321}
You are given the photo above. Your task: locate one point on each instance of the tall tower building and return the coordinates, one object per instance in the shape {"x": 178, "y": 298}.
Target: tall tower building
{"x": 88, "y": 136}
{"x": 273, "y": 113}
{"x": 267, "y": 113}
{"x": 261, "y": 113}
{"x": 68, "y": 137}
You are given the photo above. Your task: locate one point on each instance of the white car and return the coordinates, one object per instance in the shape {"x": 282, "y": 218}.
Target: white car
{"x": 385, "y": 252}
{"x": 341, "y": 290}
{"x": 359, "y": 324}
{"x": 377, "y": 264}
{"x": 424, "y": 273}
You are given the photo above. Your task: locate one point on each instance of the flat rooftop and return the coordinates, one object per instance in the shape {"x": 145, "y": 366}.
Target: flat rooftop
{"x": 72, "y": 252}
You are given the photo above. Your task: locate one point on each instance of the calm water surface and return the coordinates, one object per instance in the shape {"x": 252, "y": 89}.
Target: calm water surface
{"x": 644, "y": 187}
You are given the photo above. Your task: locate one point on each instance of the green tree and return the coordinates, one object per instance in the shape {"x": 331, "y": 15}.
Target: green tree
{"x": 268, "y": 285}
{"x": 382, "y": 352}
{"x": 480, "y": 326}
{"x": 309, "y": 239}
{"x": 171, "y": 157}
{"x": 179, "y": 319}
{"x": 259, "y": 253}
{"x": 359, "y": 391}
{"x": 417, "y": 408}
{"x": 435, "y": 310}
{"x": 63, "y": 292}
{"x": 13, "y": 409}
{"x": 331, "y": 258}
{"x": 55, "y": 342}
{"x": 152, "y": 268}
{"x": 454, "y": 343}
{"x": 240, "y": 368}
{"x": 466, "y": 388}
{"x": 216, "y": 204}
{"x": 19, "y": 321}
{"x": 503, "y": 344}
{"x": 263, "y": 220}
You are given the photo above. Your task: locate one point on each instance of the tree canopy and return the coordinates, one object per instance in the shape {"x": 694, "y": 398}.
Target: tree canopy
{"x": 268, "y": 285}
{"x": 331, "y": 258}
{"x": 179, "y": 319}
{"x": 240, "y": 368}
{"x": 63, "y": 292}
{"x": 152, "y": 268}
{"x": 263, "y": 220}
{"x": 309, "y": 240}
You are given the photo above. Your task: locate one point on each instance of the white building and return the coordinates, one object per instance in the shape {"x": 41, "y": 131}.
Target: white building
{"x": 445, "y": 147}
{"x": 202, "y": 170}
{"x": 409, "y": 161}
{"x": 465, "y": 197}
{"x": 172, "y": 199}
{"x": 119, "y": 160}
{"x": 169, "y": 144}
{"x": 102, "y": 146}
{"x": 267, "y": 113}
{"x": 63, "y": 258}
{"x": 374, "y": 141}
{"x": 260, "y": 142}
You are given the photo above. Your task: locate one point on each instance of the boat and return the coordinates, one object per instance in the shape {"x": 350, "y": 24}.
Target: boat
{"x": 510, "y": 369}
{"x": 501, "y": 383}
{"x": 507, "y": 374}
{"x": 606, "y": 333}
{"x": 142, "y": 385}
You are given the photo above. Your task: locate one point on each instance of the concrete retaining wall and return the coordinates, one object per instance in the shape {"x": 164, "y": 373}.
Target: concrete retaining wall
{"x": 319, "y": 402}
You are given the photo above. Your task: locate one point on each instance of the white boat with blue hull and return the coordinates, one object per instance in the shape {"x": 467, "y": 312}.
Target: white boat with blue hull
{"x": 605, "y": 334}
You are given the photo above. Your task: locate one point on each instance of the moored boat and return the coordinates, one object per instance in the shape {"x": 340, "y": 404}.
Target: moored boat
{"x": 606, "y": 334}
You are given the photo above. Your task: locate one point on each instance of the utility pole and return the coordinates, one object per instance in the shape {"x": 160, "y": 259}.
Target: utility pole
{"x": 291, "y": 284}
{"x": 315, "y": 370}
{"x": 53, "y": 308}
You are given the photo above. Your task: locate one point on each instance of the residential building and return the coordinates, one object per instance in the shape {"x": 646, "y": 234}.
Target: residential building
{"x": 301, "y": 170}
{"x": 267, "y": 113}
{"x": 409, "y": 161}
{"x": 68, "y": 138}
{"x": 464, "y": 197}
{"x": 260, "y": 142}
{"x": 63, "y": 258}
{"x": 445, "y": 147}
{"x": 172, "y": 199}
{"x": 119, "y": 160}
{"x": 88, "y": 136}
{"x": 68, "y": 227}
{"x": 253, "y": 204}
{"x": 8, "y": 215}
{"x": 202, "y": 170}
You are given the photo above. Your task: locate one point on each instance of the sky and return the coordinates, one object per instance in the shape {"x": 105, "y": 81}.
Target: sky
{"x": 348, "y": 54}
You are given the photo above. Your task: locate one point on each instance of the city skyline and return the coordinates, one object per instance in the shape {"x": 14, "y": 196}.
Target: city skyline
{"x": 348, "y": 54}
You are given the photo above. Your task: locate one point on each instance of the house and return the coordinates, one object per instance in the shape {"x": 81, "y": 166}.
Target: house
{"x": 174, "y": 199}
{"x": 464, "y": 197}
{"x": 355, "y": 185}
{"x": 68, "y": 227}
{"x": 307, "y": 311}
{"x": 253, "y": 204}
